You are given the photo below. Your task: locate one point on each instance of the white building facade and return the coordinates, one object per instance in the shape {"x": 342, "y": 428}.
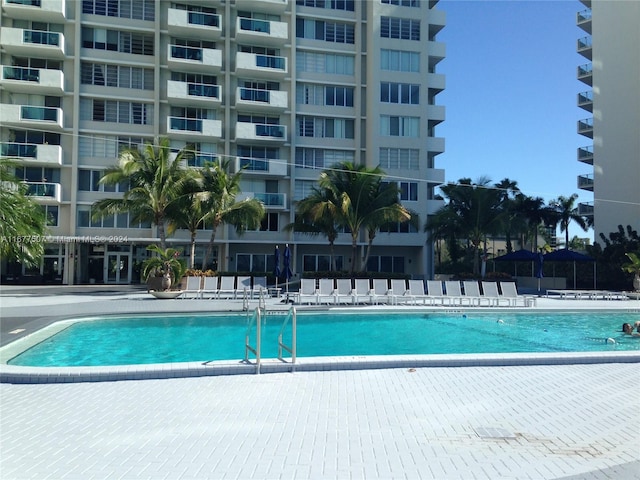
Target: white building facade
{"x": 613, "y": 75}
{"x": 285, "y": 88}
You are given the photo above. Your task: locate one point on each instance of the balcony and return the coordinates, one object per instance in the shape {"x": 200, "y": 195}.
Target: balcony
{"x": 271, "y": 201}
{"x": 43, "y": 154}
{"x": 44, "y": 192}
{"x": 583, "y": 20}
{"x": 261, "y": 166}
{"x": 585, "y": 73}
{"x": 189, "y": 93}
{"x": 187, "y": 24}
{"x": 585, "y": 127}
{"x": 261, "y": 100}
{"x": 437, "y": 52}
{"x": 585, "y": 100}
{"x": 435, "y": 175}
{"x": 266, "y": 6}
{"x": 435, "y": 144}
{"x": 585, "y": 154}
{"x": 194, "y": 59}
{"x": 584, "y": 47}
{"x": 32, "y": 80}
{"x": 585, "y": 209}
{"x": 585, "y": 182}
{"x": 38, "y": 10}
{"x": 32, "y": 43}
{"x": 261, "y": 133}
{"x": 261, "y": 32}
{"x": 264, "y": 66}
{"x": 194, "y": 127}
{"x": 26, "y": 116}
{"x": 201, "y": 160}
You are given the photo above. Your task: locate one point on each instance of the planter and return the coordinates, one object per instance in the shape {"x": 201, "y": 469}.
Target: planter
{"x": 165, "y": 294}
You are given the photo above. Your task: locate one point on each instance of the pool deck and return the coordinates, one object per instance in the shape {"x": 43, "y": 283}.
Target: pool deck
{"x": 528, "y": 421}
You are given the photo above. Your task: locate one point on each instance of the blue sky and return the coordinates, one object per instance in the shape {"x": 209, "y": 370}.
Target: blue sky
{"x": 510, "y": 95}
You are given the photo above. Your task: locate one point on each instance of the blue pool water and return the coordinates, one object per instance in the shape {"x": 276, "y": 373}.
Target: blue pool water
{"x": 200, "y": 338}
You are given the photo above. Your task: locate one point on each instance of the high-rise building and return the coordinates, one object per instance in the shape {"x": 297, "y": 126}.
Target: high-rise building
{"x": 613, "y": 75}
{"x": 282, "y": 88}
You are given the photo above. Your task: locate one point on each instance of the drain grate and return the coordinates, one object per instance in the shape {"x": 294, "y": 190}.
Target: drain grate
{"x": 494, "y": 432}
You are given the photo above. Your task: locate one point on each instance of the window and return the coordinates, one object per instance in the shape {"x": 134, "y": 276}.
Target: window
{"x": 408, "y": 191}
{"x": 319, "y": 158}
{"x": 51, "y": 215}
{"x": 399, "y": 126}
{"x": 120, "y": 220}
{"x": 136, "y": 9}
{"x": 325, "y": 63}
{"x": 303, "y": 189}
{"x": 385, "y": 264}
{"x": 402, "y": 28}
{"x": 406, "y": 93}
{"x": 348, "y": 5}
{"x": 402, "y": 3}
{"x": 312, "y": 94}
{"x": 405, "y": 158}
{"x": 399, "y": 61}
{"x": 117, "y": 41}
{"x": 89, "y": 181}
{"x": 320, "y": 127}
{"x": 269, "y": 223}
{"x": 328, "y": 31}
{"x": 321, "y": 263}
{"x": 117, "y": 76}
{"x": 257, "y": 158}
{"x": 116, "y": 111}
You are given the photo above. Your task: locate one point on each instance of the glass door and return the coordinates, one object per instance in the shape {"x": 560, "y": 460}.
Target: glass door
{"x": 118, "y": 268}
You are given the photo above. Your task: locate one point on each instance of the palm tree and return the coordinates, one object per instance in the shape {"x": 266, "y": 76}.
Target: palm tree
{"x": 22, "y": 220}
{"x": 155, "y": 180}
{"x": 510, "y": 190}
{"x": 358, "y": 199}
{"x": 530, "y": 213}
{"x": 564, "y": 210}
{"x": 313, "y": 217}
{"x": 218, "y": 196}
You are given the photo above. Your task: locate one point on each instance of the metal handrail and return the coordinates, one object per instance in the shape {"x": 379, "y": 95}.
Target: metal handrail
{"x": 255, "y": 319}
{"x": 281, "y": 346}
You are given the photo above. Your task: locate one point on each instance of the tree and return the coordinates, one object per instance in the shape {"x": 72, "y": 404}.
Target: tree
{"x": 155, "y": 181}
{"x": 165, "y": 264}
{"x": 357, "y": 198}
{"x": 510, "y": 191}
{"x": 218, "y": 195}
{"x": 563, "y": 211}
{"x": 530, "y": 213}
{"x": 22, "y": 220}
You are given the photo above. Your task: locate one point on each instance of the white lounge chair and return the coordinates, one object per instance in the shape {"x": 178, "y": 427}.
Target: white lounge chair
{"x": 308, "y": 291}
{"x": 210, "y": 287}
{"x": 362, "y": 291}
{"x": 193, "y": 287}
{"x": 243, "y": 284}
{"x": 399, "y": 291}
{"x": 510, "y": 292}
{"x": 416, "y": 291}
{"x": 453, "y": 293}
{"x": 490, "y": 291}
{"x": 227, "y": 287}
{"x": 344, "y": 291}
{"x": 380, "y": 291}
{"x": 259, "y": 287}
{"x": 435, "y": 292}
{"x": 472, "y": 290}
{"x": 326, "y": 291}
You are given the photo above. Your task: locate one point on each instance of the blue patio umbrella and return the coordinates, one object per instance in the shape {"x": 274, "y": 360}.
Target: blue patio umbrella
{"x": 276, "y": 259}
{"x": 517, "y": 256}
{"x": 566, "y": 255}
{"x": 286, "y": 264}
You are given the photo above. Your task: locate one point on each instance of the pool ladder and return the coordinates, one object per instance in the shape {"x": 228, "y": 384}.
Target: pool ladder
{"x": 256, "y": 320}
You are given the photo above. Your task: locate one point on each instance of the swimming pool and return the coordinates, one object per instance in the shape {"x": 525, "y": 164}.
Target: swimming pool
{"x": 205, "y": 338}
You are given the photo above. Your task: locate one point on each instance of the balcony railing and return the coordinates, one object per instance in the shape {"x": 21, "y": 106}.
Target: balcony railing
{"x": 269, "y": 61}
{"x": 41, "y": 38}
{"x": 204, "y": 19}
{"x": 254, "y": 164}
{"x": 18, "y": 150}
{"x": 42, "y": 189}
{"x": 585, "y": 182}
{"x": 584, "y": 15}
{"x": 47, "y": 114}
{"x": 187, "y": 124}
{"x": 254, "y": 95}
{"x": 203, "y": 90}
{"x": 28, "y": 3}
{"x": 252, "y": 25}
{"x": 186, "y": 53}
{"x": 585, "y": 126}
{"x": 585, "y": 154}
{"x": 271, "y": 199}
{"x": 265, "y": 130}
{"x": 201, "y": 160}
{"x": 21, "y": 73}
{"x": 585, "y": 97}
{"x": 585, "y": 209}
{"x": 584, "y": 42}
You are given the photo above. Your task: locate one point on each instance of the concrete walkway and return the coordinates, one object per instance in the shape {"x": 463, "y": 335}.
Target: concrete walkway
{"x": 518, "y": 422}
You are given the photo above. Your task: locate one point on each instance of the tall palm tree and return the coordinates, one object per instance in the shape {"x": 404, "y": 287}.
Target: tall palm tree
{"x": 530, "y": 212}
{"x": 358, "y": 199}
{"x": 510, "y": 190}
{"x": 155, "y": 182}
{"x": 22, "y": 220}
{"x": 314, "y": 217}
{"x": 564, "y": 210}
{"x": 218, "y": 196}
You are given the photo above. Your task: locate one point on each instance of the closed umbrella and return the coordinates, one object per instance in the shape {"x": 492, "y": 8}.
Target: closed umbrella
{"x": 539, "y": 263}
{"x": 286, "y": 264}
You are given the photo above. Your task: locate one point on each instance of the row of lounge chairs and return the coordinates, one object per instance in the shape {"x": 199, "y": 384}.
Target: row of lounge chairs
{"x": 225, "y": 287}
{"x": 399, "y": 291}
